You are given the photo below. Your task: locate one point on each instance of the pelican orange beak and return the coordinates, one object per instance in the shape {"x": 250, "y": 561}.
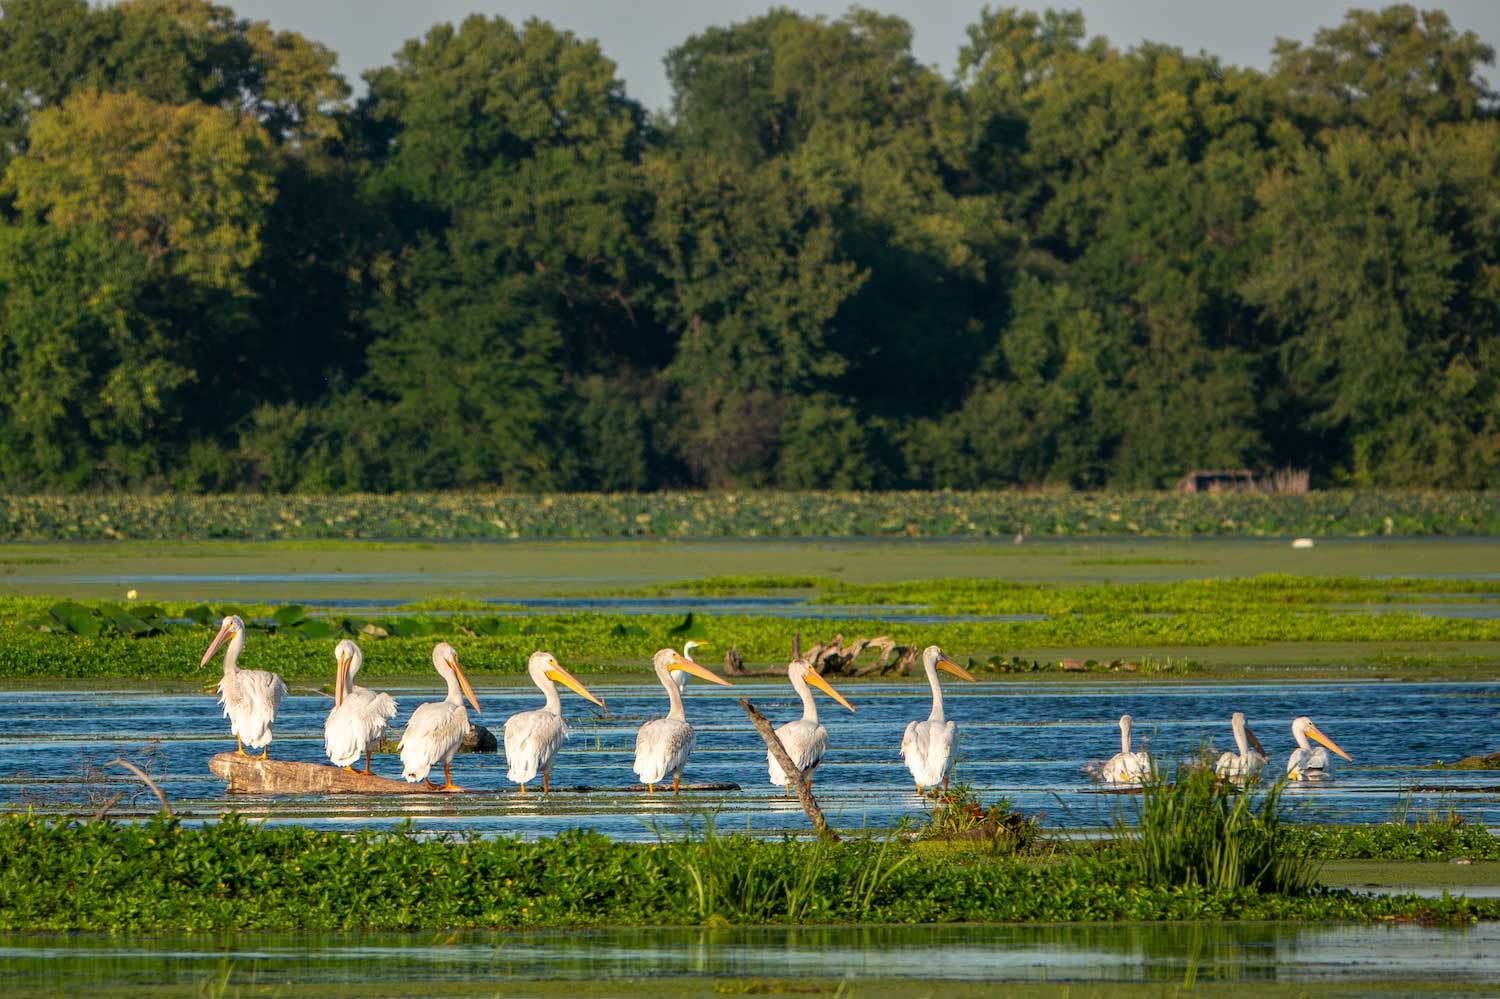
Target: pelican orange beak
{"x": 562, "y": 676}
{"x": 1254, "y": 742}
{"x": 688, "y": 666}
{"x": 463, "y": 683}
{"x": 226, "y": 631}
{"x": 340, "y": 680}
{"x": 949, "y": 666}
{"x": 817, "y": 681}
{"x": 1313, "y": 733}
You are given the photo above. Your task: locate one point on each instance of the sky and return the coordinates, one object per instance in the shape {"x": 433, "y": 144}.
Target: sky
{"x": 637, "y": 34}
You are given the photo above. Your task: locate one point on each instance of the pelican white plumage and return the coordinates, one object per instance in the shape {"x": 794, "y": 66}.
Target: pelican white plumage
{"x": 1126, "y": 766}
{"x": 680, "y": 677}
{"x": 663, "y": 745}
{"x": 1251, "y": 756}
{"x": 804, "y": 739}
{"x": 359, "y": 715}
{"x": 532, "y": 738}
{"x": 250, "y": 696}
{"x": 927, "y": 745}
{"x": 1308, "y": 762}
{"x": 436, "y": 729}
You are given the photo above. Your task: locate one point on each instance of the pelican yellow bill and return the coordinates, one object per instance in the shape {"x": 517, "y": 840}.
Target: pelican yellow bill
{"x": 562, "y": 676}
{"x": 949, "y": 666}
{"x": 224, "y": 632}
{"x": 463, "y": 682}
{"x": 1312, "y": 732}
{"x": 688, "y": 666}
{"x": 814, "y": 678}
{"x": 340, "y": 680}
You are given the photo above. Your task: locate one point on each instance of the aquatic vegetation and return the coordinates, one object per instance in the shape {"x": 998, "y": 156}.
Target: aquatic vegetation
{"x": 162, "y": 875}
{"x": 107, "y": 516}
{"x": 957, "y": 813}
{"x": 1189, "y": 827}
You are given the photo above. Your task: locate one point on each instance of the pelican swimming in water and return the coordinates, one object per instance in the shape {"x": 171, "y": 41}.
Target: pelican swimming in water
{"x": 804, "y": 740}
{"x": 680, "y": 677}
{"x": 359, "y": 715}
{"x": 1307, "y": 762}
{"x": 250, "y": 696}
{"x": 1126, "y": 766}
{"x": 532, "y": 738}
{"x": 436, "y": 729}
{"x": 928, "y": 745}
{"x": 1248, "y": 761}
{"x": 663, "y": 745}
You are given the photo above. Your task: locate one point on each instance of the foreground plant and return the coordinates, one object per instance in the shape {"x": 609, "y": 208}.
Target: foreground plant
{"x": 1191, "y": 828}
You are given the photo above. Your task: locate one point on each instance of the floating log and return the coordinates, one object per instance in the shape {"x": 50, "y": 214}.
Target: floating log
{"x": 253, "y": 775}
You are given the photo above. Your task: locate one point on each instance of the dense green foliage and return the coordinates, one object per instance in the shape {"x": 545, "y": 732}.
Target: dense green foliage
{"x": 754, "y": 514}
{"x": 1189, "y": 827}
{"x": 44, "y": 637}
{"x": 161, "y": 875}
{"x": 1395, "y": 841}
{"x": 826, "y": 265}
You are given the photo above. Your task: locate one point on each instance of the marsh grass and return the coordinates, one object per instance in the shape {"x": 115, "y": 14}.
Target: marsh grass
{"x": 957, "y": 813}
{"x": 1190, "y": 828}
{"x": 738, "y": 879}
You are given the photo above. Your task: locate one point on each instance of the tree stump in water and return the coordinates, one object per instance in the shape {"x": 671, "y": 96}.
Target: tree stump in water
{"x": 253, "y": 775}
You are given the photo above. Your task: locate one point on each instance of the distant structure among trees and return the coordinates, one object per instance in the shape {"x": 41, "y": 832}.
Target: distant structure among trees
{"x": 826, "y": 265}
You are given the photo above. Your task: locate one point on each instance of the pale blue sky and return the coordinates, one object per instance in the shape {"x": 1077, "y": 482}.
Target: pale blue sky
{"x": 636, "y": 34}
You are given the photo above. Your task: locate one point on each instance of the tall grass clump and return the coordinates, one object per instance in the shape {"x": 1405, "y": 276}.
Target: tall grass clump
{"x": 1193, "y": 829}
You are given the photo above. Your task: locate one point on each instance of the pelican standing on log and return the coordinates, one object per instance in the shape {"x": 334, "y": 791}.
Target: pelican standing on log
{"x": 1126, "y": 766}
{"x": 532, "y": 738}
{"x": 804, "y": 740}
{"x": 680, "y": 677}
{"x": 250, "y": 696}
{"x": 436, "y": 729}
{"x": 1306, "y": 762}
{"x": 663, "y": 745}
{"x": 359, "y": 715}
{"x": 927, "y": 745}
{"x": 1251, "y": 756}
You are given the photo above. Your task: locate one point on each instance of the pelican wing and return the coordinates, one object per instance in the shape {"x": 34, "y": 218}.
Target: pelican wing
{"x": 662, "y": 747}
{"x": 355, "y": 725}
{"x": 251, "y": 699}
{"x": 433, "y": 734}
{"x": 926, "y": 748}
{"x": 805, "y": 742}
{"x": 532, "y": 739}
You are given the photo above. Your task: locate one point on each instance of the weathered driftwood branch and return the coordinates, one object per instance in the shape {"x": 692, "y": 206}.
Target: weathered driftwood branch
{"x": 793, "y": 774}
{"x": 141, "y": 774}
{"x": 253, "y": 775}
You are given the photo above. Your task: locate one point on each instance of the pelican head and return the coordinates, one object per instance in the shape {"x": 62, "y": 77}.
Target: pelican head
{"x": 349, "y": 658}
{"x": 229, "y": 629}
{"x": 801, "y": 669}
{"x": 1303, "y": 729}
{"x": 933, "y": 658}
{"x": 545, "y": 669}
{"x": 445, "y": 661}
{"x": 667, "y": 660}
{"x": 1237, "y": 722}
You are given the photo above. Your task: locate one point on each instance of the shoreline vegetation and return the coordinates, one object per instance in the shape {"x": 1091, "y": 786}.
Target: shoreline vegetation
{"x": 161, "y": 875}
{"x": 506, "y": 516}
{"x": 1167, "y": 629}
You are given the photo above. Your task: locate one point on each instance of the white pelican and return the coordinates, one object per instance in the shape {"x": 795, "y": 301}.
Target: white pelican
{"x": 927, "y": 745}
{"x": 804, "y": 740}
{"x": 532, "y": 738}
{"x": 436, "y": 729}
{"x": 1126, "y": 767}
{"x": 359, "y": 715}
{"x": 681, "y": 677}
{"x": 1248, "y": 761}
{"x": 1307, "y": 763}
{"x": 250, "y": 696}
{"x": 663, "y": 745}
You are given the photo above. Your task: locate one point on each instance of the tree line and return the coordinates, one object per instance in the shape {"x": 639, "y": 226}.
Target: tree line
{"x": 825, "y": 265}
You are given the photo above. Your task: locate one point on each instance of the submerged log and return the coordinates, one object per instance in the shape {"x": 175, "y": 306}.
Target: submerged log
{"x": 253, "y": 775}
